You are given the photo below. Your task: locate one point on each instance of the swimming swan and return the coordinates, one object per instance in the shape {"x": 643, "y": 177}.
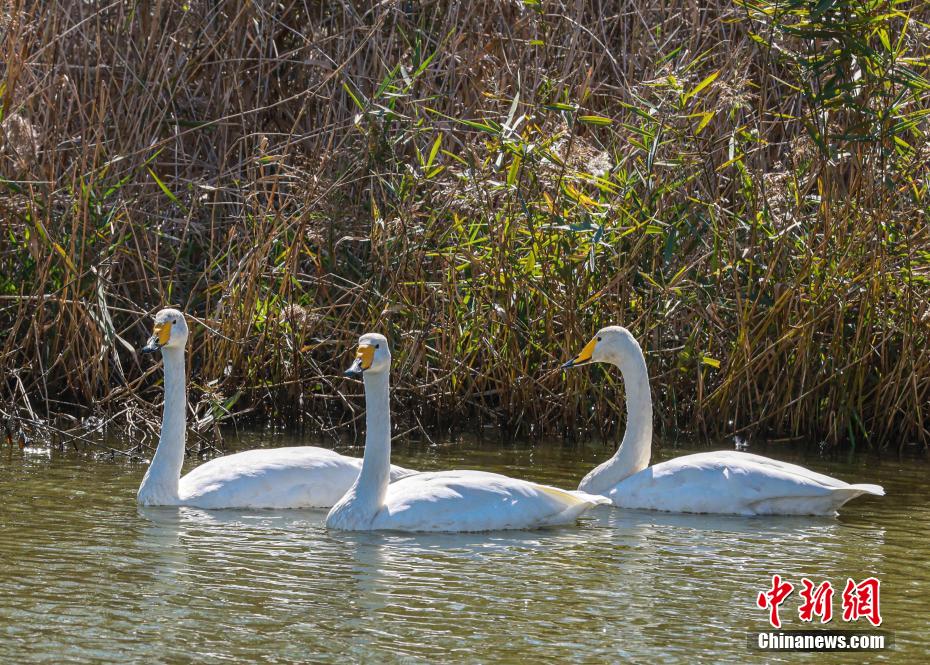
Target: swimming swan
{"x": 441, "y": 501}
{"x": 725, "y": 481}
{"x": 297, "y": 477}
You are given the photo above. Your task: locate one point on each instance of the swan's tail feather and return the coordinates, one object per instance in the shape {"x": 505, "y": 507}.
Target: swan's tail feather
{"x": 819, "y": 504}
{"x": 575, "y": 510}
{"x": 841, "y": 495}
{"x": 574, "y": 497}
{"x": 593, "y": 499}
{"x": 866, "y": 488}
{"x": 574, "y": 504}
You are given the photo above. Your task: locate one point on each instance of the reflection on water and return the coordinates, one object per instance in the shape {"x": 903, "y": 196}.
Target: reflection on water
{"x": 89, "y": 576}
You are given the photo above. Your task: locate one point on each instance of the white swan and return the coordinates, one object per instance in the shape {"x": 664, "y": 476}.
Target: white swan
{"x": 296, "y": 477}
{"x": 442, "y": 501}
{"x": 716, "y": 482}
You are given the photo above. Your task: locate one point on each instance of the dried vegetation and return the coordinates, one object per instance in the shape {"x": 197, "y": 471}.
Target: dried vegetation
{"x": 744, "y": 185}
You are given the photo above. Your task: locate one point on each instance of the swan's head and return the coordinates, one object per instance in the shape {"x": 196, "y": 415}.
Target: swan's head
{"x": 613, "y": 344}
{"x": 169, "y": 332}
{"x": 373, "y": 356}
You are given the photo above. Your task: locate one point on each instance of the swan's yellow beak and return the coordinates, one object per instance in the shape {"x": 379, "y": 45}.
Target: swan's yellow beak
{"x": 584, "y": 357}
{"x": 161, "y": 333}
{"x": 363, "y": 359}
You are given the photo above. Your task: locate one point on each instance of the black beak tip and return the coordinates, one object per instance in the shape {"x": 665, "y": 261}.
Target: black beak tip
{"x": 152, "y": 345}
{"x": 570, "y": 363}
{"x": 353, "y": 373}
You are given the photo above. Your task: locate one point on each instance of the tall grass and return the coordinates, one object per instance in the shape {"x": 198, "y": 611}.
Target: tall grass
{"x": 744, "y": 185}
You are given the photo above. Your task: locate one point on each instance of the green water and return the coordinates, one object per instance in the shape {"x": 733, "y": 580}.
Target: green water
{"x": 87, "y": 576}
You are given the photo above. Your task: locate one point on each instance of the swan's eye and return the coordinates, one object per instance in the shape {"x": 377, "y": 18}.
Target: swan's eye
{"x": 598, "y": 339}
{"x": 377, "y": 346}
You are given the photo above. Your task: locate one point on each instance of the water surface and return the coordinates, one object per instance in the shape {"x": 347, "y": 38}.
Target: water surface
{"x": 87, "y": 576}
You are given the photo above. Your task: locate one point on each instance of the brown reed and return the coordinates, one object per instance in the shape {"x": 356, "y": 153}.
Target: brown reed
{"x": 744, "y": 185}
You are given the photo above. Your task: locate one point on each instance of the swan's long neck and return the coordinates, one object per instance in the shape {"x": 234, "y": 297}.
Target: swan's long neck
{"x": 366, "y": 497}
{"x": 160, "y": 485}
{"x": 636, "y": 448}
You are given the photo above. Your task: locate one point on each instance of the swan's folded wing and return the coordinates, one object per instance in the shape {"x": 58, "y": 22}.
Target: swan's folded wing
{"x": 295, "y": 477}
{"x": 476, "y": 501}
{"x": 736, "y": 483}
{"x": 750, "y": 460}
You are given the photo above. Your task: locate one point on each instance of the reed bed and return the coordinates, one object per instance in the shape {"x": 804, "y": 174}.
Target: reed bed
{"x": 742, "y": 184}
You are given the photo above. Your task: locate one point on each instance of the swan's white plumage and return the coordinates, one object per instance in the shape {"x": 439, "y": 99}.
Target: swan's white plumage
{"x": 469, "y": 501}
{"x": 734, "y": 482}
{"x": 295, "y": 477}
{"x": 728, "y": 482}
{"x": 441, "y": 501}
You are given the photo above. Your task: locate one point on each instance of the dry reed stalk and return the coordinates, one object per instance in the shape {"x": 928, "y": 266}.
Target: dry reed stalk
{"x": 486, "y": 183}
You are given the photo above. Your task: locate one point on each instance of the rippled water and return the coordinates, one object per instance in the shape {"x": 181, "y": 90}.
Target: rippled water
{"x": 85, "y": 575}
